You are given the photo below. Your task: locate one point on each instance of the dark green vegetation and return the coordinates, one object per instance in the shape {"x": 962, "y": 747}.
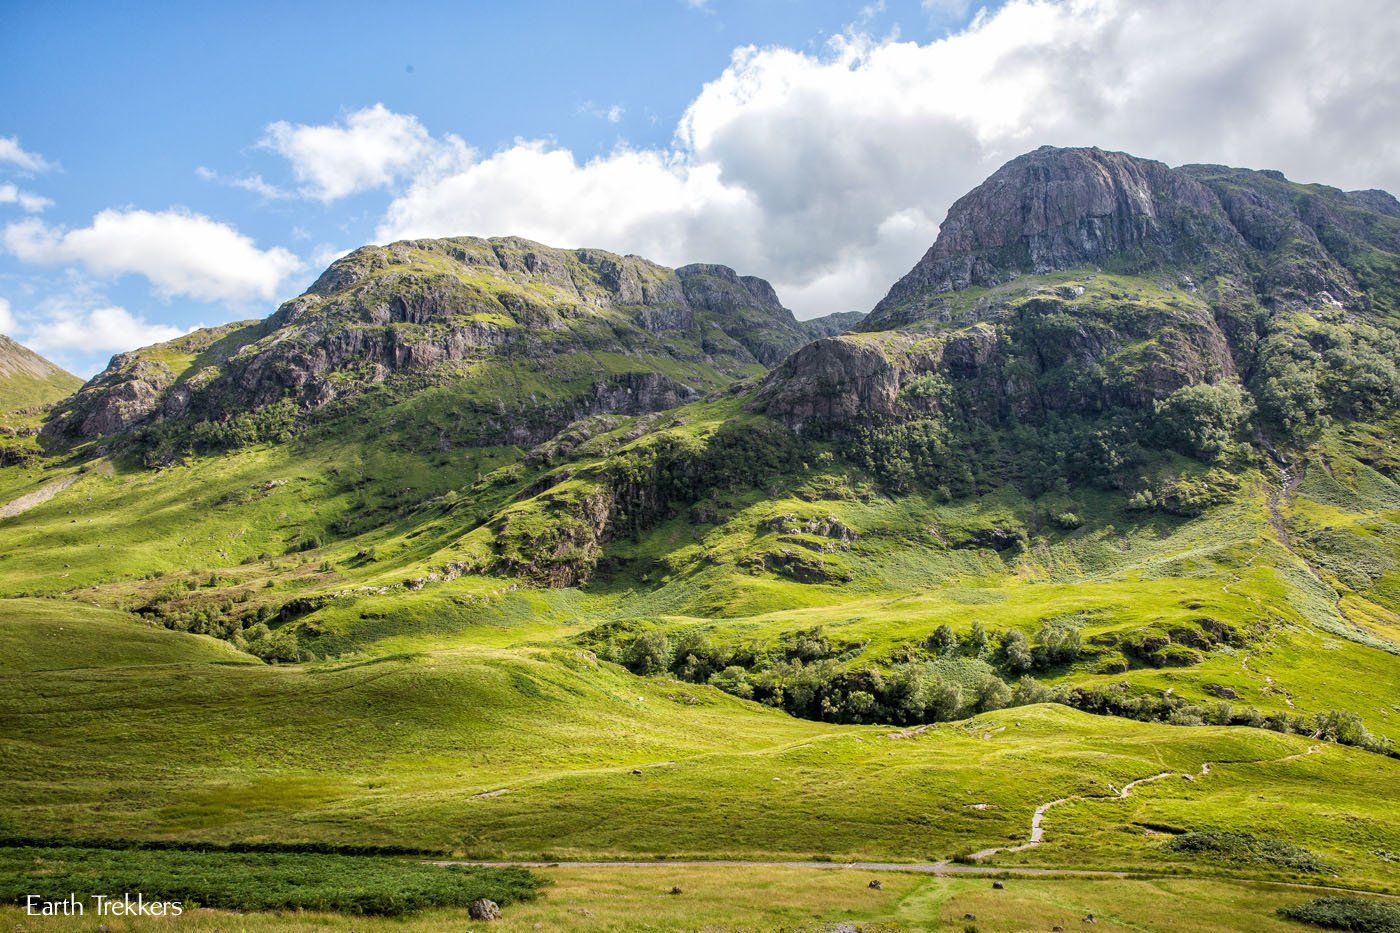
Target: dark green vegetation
{"x": 258, "y": 880}
{"x": 1347, "y": 913}
{"x": 1245, "y": 847}
{"x": 490, "y": 548}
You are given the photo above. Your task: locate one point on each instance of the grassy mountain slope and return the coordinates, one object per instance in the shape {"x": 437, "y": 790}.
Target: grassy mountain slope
{"x": 27, "y": 380}
{"x": 544, "y": 751}
{"x": 562, "y": 554}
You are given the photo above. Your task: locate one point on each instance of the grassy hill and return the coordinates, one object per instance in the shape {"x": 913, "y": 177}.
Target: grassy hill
{"x": 498, "y": 551}
{"x": 27, "y": 380}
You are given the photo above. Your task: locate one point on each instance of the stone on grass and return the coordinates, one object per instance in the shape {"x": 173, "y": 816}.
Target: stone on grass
{"x": 484, "y": 909}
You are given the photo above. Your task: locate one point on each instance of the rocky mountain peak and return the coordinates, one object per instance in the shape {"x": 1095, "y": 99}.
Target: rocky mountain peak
{"x": 605, "y": 333}
{"x": 1056, "y": 209}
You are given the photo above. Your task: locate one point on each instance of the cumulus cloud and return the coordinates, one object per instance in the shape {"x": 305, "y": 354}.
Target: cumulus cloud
{"x": 630, "y": 200}
{"x": 370, "y": 149}
{"x": 7, "y": 318}
{"x": 828, "y": 172}
{"x": 28, "y": 202}
{"x": 13, "y": 153}
{"x": 109, "y": 329}
{"x": 181, "y": 253}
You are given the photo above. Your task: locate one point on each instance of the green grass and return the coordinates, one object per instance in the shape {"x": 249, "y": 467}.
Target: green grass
{"x": 49, "y": 635}
{"x": 263, "y": 881}
{"x": 545, "y": 752}
{"x": 776, "y": 898}
{"x": 469, "y": 714}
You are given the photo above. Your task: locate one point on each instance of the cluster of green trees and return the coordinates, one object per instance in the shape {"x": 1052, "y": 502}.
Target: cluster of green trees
{"x": 807, "y": 675}
{"x": 166, "y": 441}
{"x": 944, "y": 678}
{"x": 248, "y": 630}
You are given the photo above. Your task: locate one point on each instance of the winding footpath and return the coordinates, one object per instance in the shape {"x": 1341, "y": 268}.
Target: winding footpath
{"x": 946, "y": 867}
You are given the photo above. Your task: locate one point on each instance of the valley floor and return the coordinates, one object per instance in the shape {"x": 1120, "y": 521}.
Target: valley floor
{"x": 597, "y": 898}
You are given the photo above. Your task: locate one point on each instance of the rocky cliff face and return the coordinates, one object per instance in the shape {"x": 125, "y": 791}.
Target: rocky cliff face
{"x": 1078, "y": 281}
{"x": 654, "y": 337}
{"x": 1057, "y": 209}
{"x": 830, "y": 325}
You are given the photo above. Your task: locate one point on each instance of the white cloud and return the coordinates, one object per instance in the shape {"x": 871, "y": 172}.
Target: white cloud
{"x": 325, "y": 254}
{"x": 371, "y": 149}
{"x": 28, "y": 202}
{"x": 180, "y": 253}
{"x": 828, "y": 172}
{"x": 108, "y": 329}
{"x": 15, "y": 154}
{"x": 612, "y": 114}
{"x": 7, "y": 318}
{"x": 254, "y": 183}
{"x": 631, "y": 200}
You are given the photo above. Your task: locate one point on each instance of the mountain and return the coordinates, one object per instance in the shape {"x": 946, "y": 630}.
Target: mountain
{"x": 529, "y": 337}
{"x": 829, "y": 325}
{"x": 515, "y": 552}
{"x": 27, "y": 380}
{"x": 1083, "y": 283}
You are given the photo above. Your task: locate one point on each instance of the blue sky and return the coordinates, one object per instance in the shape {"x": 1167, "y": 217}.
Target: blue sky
{"x": 167, "y": 165}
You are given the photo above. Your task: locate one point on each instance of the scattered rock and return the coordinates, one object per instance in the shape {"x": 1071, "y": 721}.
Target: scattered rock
{"x": 1090, "y": 919}
{"x": 875, "y": 884}
{"x": 484, "y": 909}
{"x": 969, "y": 916}
{"x": 675, "y": 889}
{"x": 998, "y": 885}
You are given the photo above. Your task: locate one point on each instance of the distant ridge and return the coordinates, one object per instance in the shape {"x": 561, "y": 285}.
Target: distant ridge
{"x": 28, "y": 380}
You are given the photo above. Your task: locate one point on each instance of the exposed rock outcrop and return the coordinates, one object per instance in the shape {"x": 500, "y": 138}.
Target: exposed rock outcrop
{"x": 652, "y": 337}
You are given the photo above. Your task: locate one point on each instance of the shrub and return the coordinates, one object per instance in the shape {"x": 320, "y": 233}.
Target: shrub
{"x": 1057, "y": 642}
{"x": 1203, "y": 420}
{"x": 272, "y": 644}
{"x": 733, "y": 680}
{"x": 649, "y": 653}
{"x": 1014, "y": 652}
{"x": 942, "y": 642}
{"x": 1246, "y": 847}
{"x": 975, "y": 643}
{"x": 1346, "y": 913}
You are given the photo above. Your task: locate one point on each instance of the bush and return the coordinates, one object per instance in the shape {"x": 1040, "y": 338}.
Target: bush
{"x": 1246, "y": 847}
{"x": 649, "y": 653}
{"x": 1057, "y": 642}
{"x": 733, "y": 680}
{"x": 1014, "y": 652}
{"x": 1203, "y": 420}
{"x": 975, "y": 643}
{"x": 273, "y": 644}
{"x": 1346, "y": 913}
{"x": 942, "y": 642}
